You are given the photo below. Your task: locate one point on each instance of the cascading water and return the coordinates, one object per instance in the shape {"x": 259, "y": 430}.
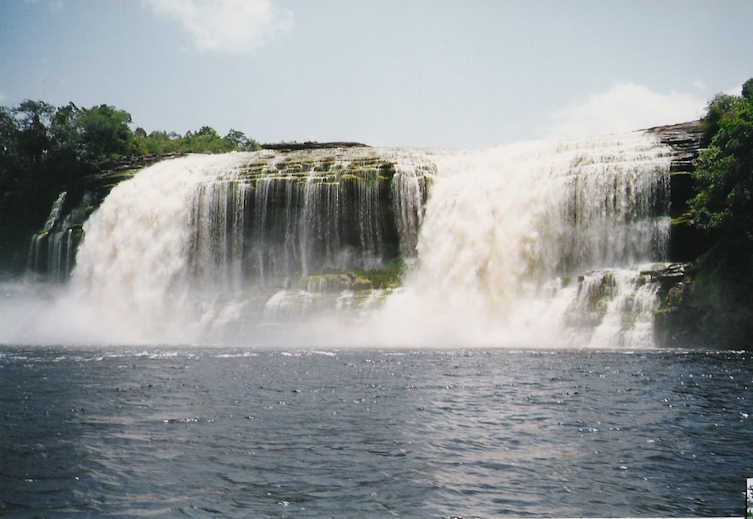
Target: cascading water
{"x": 51, "y": 249}
{"x": 509, "y": 230}
{"x": 538, "y": 243}
{"x": 203, "y": 247}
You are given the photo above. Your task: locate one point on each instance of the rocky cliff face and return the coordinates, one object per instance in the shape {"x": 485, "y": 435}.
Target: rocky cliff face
{"x": 358, "y": 204}
{"x": 687, "y": 242}
{"x": 52, "y": 249}
{"x": 675, "y": 321}
{"x": 693, "y": 309}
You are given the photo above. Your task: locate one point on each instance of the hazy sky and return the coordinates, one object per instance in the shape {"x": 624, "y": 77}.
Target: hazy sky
{"x": 394, "y": 72}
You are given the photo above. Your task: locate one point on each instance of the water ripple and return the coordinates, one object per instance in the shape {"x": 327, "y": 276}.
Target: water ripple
{"x": 233, "y": 433}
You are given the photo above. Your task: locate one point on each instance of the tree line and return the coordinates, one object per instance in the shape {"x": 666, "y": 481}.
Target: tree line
{"x": 37, "y": 139}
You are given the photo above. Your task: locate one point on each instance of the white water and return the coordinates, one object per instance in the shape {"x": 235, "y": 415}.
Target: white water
{"x": 51, "y": 251}
{"x": 186, "y": 253}
{"x": 133, "y": 281}
{"x": 508, "y": 229}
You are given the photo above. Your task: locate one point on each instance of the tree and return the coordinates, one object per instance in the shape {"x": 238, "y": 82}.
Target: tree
{"x": 9, "y": 149}
{"x": 105, "y": 132}
{"x": 748, "y": 89}
{"x": 33, "y": 118}
{"x": 238, "y": 140}
{"x": 32, "y": 113}
{"x": 206, "y": 140}
{"x": 715, "y": 110}
{"x": 65, "y": 132}
{"x": 65, "y": 161}
{"x": 207, "y": 131}
{"x": 724, "y": 173}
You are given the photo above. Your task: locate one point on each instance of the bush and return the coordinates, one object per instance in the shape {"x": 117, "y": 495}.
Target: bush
{"x": 724, "y": 172}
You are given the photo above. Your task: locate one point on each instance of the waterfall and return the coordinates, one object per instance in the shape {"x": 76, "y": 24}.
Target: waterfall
{"x": 508, "y": 230}
{"x": 203, "y": 246}
{"x": 51, "y": 249}
{"x": 532, "y": 244}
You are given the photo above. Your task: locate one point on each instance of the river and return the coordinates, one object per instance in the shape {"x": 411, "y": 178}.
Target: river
{"x": 247, "y": 432}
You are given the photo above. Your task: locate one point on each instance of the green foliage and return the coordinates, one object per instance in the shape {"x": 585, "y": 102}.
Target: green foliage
{"x": 715, "y": 110}
{"x": 239, "y": 141}
{"x": 9, "y": 151}
{"x": 205, "y": 140}
{"x": 105, "y": 133}
{"x": 33, "y": 114}
{"x": 41, "y": 144}
{"x": 748, "y": 89}
{"x": 724, "y": 174}
{"x": 389, "y": 275}
{"x": 32, "y": 118}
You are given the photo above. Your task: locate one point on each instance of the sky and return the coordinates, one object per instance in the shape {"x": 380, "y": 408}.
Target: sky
{"x": 428, "y": 73}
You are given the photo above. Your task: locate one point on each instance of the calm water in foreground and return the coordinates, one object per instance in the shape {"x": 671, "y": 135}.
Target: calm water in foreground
{"x": 187, "y": 432}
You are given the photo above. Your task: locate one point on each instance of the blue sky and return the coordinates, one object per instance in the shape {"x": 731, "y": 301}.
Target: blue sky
{"x": 385, "y": 72}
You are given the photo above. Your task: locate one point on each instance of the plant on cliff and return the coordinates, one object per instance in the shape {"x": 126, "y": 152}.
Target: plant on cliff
{"x": 723, "y": 205}
{"x": 715, "y": 110}
{"x": 724, "y": 175}
{"x": 747, "y": 90}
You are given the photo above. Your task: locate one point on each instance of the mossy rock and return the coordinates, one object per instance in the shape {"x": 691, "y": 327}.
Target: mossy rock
{"x": 687, "y": 241}
{"x": 599, "y": 294}
{"x": 335, "y": 282}
{"x": 361, "y": 283}
{"x": 327, "y": 282}
{"x": 390, "y": 275}
{"x": 590, "y": 307}
{"x": 628, "y": 317}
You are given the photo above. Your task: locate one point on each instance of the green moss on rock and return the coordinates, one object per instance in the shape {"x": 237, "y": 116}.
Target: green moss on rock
{"x": 389, "y": 275}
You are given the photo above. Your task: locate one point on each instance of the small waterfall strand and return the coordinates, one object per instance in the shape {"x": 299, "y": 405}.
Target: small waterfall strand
{"x": 51, "y": 249}
{"x": 409, "y": 186}
{"x": 218, "y": 223}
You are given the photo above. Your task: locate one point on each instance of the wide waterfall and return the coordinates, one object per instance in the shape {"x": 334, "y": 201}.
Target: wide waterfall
{"x": 533, "y": 244}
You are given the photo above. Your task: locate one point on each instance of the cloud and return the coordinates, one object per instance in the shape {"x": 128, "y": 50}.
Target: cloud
{"x": 229, "y": 26}
{"x": 624, "y": 107}
{"x": 736, "y": 90}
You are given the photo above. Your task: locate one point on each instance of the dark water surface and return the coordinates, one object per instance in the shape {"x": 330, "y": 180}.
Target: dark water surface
{"x": 186, "y": 432}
